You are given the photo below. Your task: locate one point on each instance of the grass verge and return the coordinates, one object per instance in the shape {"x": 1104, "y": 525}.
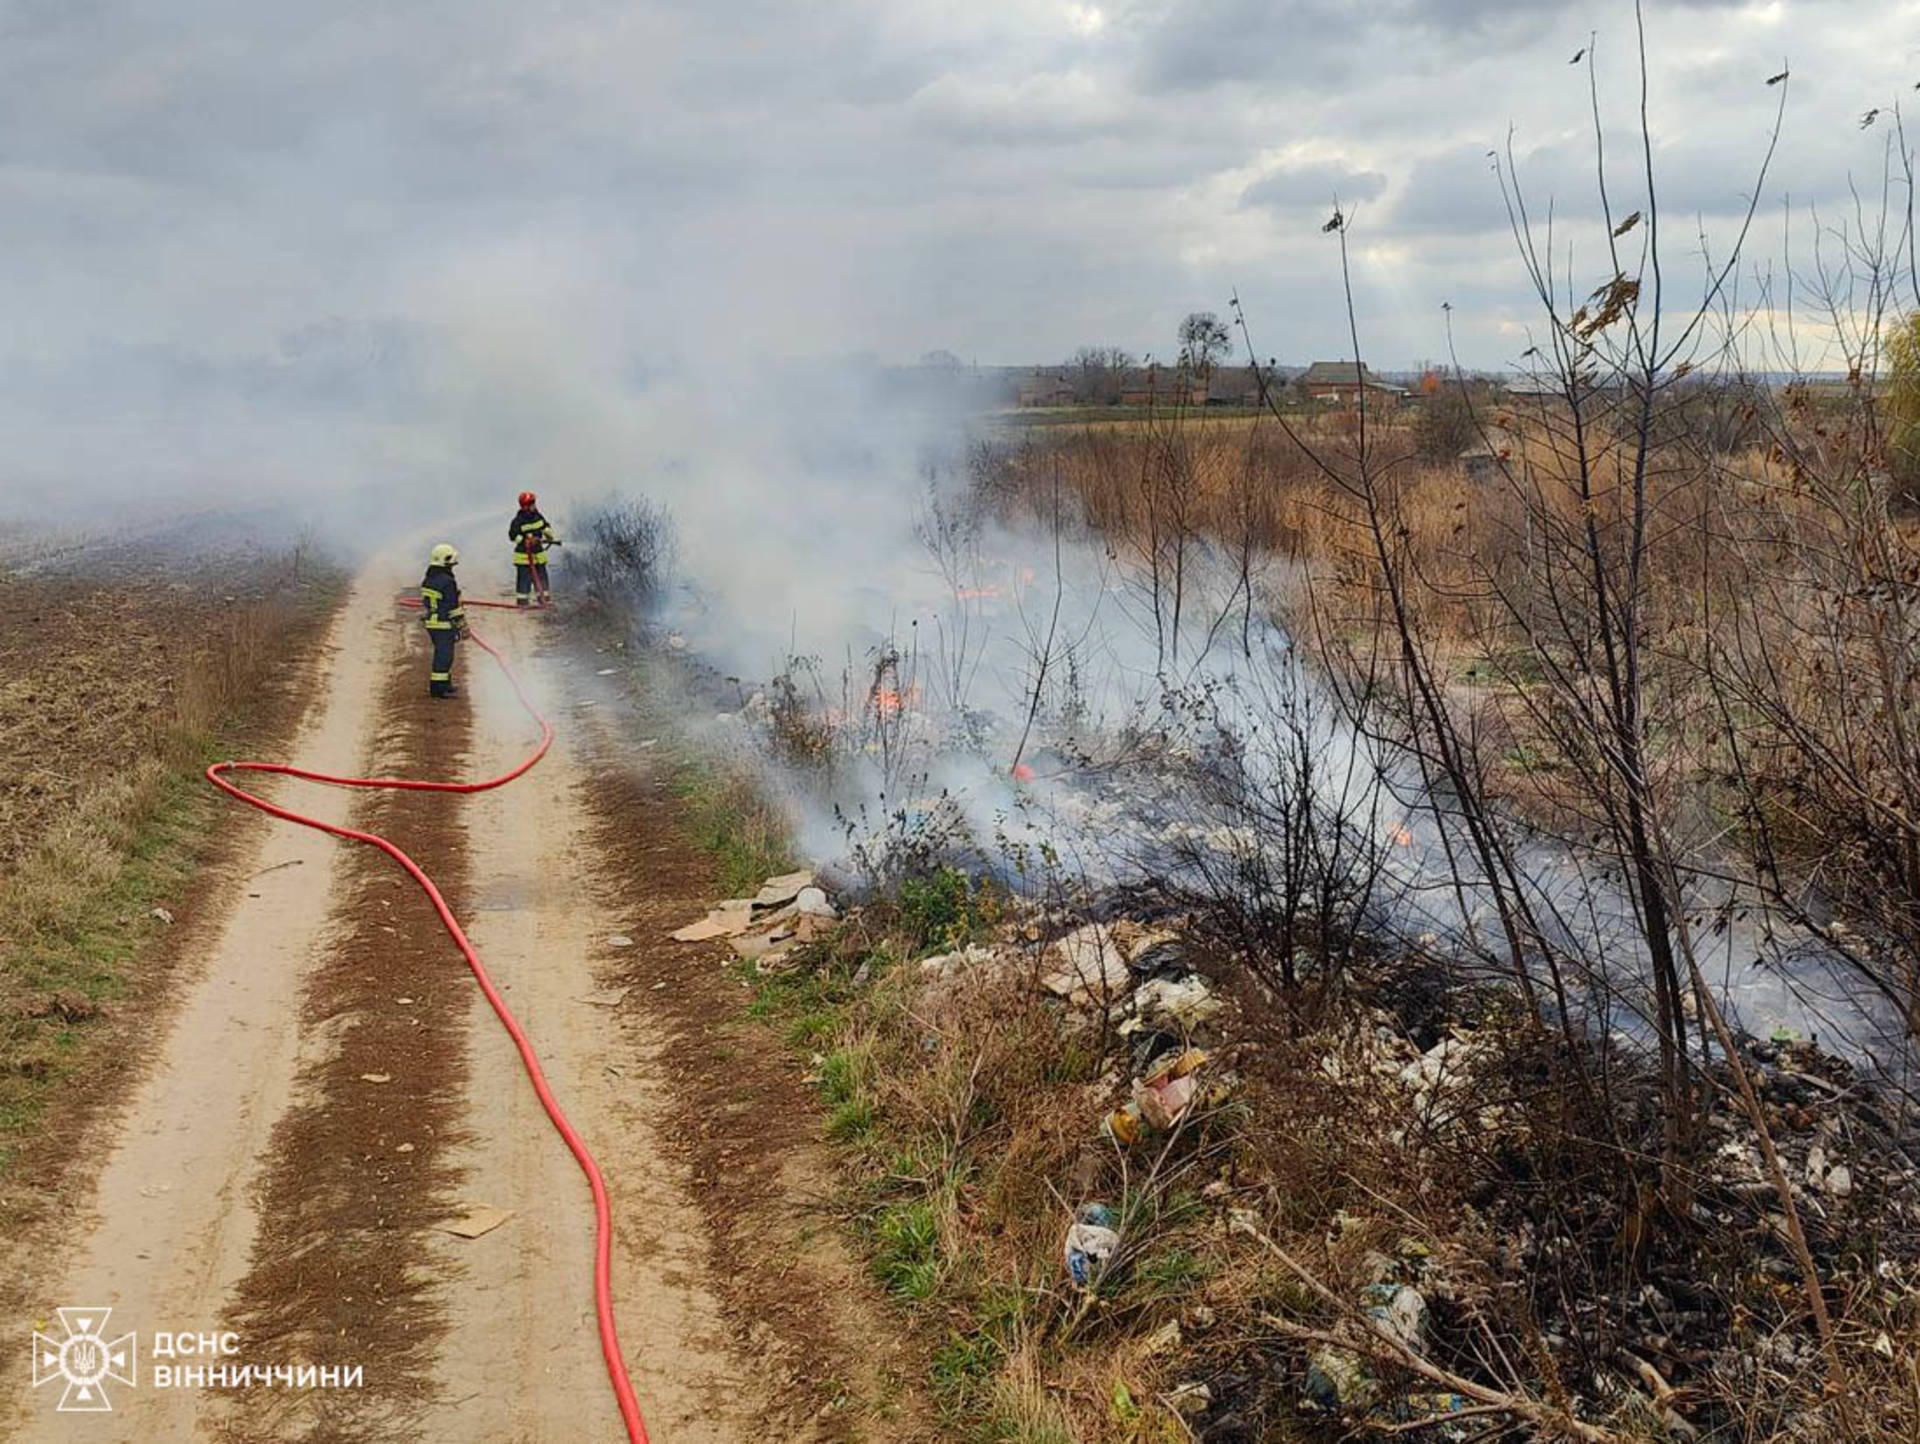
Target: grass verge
{"x": 89, "y": 905}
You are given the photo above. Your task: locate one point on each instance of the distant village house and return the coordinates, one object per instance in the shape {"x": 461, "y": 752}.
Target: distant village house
{"x": 1162, "y": 386}
{"x": 1046, "y": 389}
{"x": 1339, "y": 383}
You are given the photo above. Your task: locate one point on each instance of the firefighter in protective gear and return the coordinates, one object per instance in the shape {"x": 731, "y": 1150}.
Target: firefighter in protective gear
{"x": 446, "y": 618}
{"x": 531, "y": 535}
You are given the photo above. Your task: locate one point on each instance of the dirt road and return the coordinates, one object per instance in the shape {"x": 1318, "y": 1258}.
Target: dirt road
{"x": 332, "y": 1088}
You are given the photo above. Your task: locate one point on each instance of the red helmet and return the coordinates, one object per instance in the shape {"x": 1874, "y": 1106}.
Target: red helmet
{"x": 527, "y": 498}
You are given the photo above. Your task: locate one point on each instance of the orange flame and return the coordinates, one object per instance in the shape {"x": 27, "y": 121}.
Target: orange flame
{"x": 889, "y": 701}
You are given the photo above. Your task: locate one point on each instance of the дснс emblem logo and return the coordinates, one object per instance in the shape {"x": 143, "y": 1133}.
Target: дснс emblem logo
{"x": 84, "y": 1359}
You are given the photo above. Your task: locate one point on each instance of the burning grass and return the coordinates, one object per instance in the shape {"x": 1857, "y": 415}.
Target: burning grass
{"x": 1440, "y": 1159}
{"x": 1410, "y": 1202}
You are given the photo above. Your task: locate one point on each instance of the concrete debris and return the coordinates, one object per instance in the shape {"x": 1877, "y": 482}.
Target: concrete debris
{"x": 947, "y": 965}
{"x": 726, "y": 920}
{"x": 812, "y": 902}
{"x": 782, "y": 889}
{"x": 1087, "y": 968}
{"x": 1835, "y": 1180}
{"x": 786, "y": 911}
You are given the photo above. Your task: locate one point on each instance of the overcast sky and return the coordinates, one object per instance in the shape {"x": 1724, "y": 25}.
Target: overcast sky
{"x": 228, "y": 199}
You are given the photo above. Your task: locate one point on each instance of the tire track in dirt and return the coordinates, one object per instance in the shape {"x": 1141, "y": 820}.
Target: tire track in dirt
{"x": 360, "y": 1164}
{"x": 741, "y": 1124}
{"x": 521, "y": 1360}
{"x": 265, "y": 1184}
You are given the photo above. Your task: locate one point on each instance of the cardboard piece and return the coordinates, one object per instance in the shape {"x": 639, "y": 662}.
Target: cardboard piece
{"x": 479, "y": 1219}
{"x": 727, "y": 920}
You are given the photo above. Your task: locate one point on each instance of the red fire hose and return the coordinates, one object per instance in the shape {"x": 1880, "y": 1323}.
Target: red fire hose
{"x": 602, "y": 1213}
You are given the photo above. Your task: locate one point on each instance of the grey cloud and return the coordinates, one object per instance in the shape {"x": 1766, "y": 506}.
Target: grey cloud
{"x": 1314, "y": 44}
{"x": 346, "y": 221}
{"x": 1316, "y": 184}
{"x": 1458, "y": 191}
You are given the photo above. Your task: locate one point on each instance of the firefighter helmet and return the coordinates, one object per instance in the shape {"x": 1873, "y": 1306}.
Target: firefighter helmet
{"x": 444, "y": 555}
{"x": 527, "y": 498}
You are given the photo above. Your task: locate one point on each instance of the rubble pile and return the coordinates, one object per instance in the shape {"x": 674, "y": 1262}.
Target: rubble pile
{"x": 787, "y": 910}
{"x": 1668, "y": 1332}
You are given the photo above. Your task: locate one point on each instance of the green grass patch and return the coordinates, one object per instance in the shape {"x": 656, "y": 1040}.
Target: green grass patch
{"x": 852, "y": 1121}
{"x": 906, "y": 1253}
{"x": 964, "y": 1364}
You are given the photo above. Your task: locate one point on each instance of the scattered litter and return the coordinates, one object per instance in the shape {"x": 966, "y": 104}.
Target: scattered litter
{"x": 619, "y": 940}
{"x": 376, "y": 1077}
{"x": 650, "y": 742}
{"x": 1124, "y": 1126}
{"x": 161, "y": 913}
{"x": 403, "y": 1001}
{"x": 606, "y": 671}
{"x": 1091, "y": 1243}
{"x": 1340, "y": 1379}
{"x": 1186, "y": 1003}
{"x": 404, "y": 1148}
{"x": 1166, "y": 1095}
{"x": 479, "y": 1219}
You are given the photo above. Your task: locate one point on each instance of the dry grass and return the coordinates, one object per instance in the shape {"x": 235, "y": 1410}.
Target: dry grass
{"x": 126, "y": 830}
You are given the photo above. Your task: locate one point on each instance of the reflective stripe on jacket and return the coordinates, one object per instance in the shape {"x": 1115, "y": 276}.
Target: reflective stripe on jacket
{"x": 528, "y": 523}
{"x": 440, "y": 597}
